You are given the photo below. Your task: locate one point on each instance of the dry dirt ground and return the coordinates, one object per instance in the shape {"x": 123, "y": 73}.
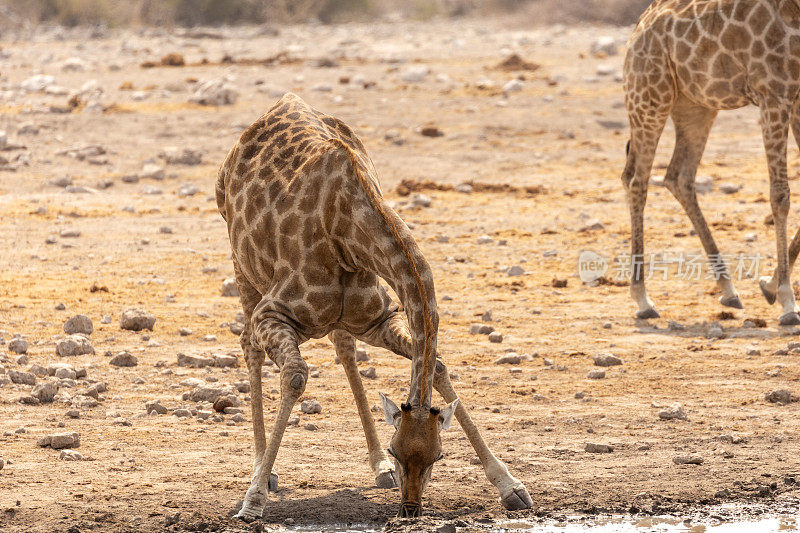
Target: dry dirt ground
{"x": 558, "y": 143}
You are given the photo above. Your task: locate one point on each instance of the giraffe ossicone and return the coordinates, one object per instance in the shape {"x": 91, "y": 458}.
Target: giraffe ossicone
{"x": 311, "y": 237}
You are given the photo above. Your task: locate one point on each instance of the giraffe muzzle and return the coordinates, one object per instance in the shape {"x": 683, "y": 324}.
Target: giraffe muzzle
{"x": 410, "y": 510}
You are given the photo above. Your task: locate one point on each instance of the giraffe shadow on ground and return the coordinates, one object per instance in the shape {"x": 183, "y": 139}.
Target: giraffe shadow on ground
{"x": 342, "y": 507}
{"x": 702, "y": 330}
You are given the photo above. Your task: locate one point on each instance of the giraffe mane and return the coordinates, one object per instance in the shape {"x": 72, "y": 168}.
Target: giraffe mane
{"x": 427, "y": 356}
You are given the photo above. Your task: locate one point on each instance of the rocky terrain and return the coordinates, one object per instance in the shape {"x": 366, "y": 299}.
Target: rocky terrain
{"x": 123, "y": 396}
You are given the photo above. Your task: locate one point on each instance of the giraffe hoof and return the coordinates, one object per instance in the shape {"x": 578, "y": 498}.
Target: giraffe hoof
{"x": 272, "y": 484}
{"x": 768, "y": 295}
{"x": 249, "y": 514}
{"x": 789, "y": 319}
{"x": 385, "y": 480}
{"x": 647, "y": 313}
{"x": 732, "y": 301}
{"x": 516, "y": 498}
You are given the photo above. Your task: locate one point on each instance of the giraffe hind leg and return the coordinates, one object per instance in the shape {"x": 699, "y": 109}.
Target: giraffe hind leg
{"x": 692, "y": 126}
{"x": 379, "y": 461}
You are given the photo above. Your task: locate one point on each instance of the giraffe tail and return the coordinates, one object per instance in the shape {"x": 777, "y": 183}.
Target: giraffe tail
{"x": 400, "y": 262}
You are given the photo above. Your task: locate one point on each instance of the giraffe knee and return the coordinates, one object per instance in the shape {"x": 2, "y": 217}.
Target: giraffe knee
{"x": 294, "y": 377}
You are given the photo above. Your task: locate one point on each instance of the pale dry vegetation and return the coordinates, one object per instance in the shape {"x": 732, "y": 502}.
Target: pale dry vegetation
{"x": 217, "y": 12}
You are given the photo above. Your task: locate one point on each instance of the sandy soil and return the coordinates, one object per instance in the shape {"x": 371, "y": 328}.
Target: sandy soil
{"x": 562, "y": 136}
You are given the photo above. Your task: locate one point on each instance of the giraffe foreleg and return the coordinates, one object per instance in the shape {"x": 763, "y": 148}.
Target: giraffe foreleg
{"x": 393, "y": 335}
{"x": 281, "y": 342}
{"x": 379, "y": 461}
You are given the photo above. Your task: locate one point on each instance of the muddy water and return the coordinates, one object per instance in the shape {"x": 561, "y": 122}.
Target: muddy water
{"x": 719, "y": 519}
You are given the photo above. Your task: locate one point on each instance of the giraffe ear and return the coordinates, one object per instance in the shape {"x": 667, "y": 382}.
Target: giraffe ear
{"x": 446, "y": 415}
{"x": 390, "y": 411}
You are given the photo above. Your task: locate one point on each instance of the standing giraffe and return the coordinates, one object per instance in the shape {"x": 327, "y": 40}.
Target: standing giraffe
{"x": 311, "y": 235}
{"x": 688, "y": 59}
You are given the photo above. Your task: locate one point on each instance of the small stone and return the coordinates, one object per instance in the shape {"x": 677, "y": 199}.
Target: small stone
{"x": 496, "y": 337}
{"x": 135, "y": 319}
{"x": 69, "y": 233}
{"x": 598, "y": 448}
{"x": 18, "y": 345}
{"x": 687, "y": 460}
{"x": 421, "y": 200}
{"x": 481, "y": 329}
{"x": 21, "y": 378}
{"x": 185, "y": 332}
{"x": 596, "y": 374}
{"x": 154, "y": 406}
{"x": 592, "y": 225}
{"x": 485, "y": 239}
{"x": 415, "y": 74}
{"x": 674, "y": 412}
{"x": 369, "y": 373}
{"x": 311, "y": 427}
{"x": 78, "y": 324}
{"x": 222, "y": 403}
{"x": 715, "y": 331}
{"x": 44, "y": 392}
{"x": 74, "y": 345}
{"x": 310, "y": 407}
{"x": 124, "y": 359}
{"x": 781, "y": 396}
{"x": 22, "y": 360}
{"x": 229, "y": 288}
{"x": 515, "y": 270}
{"x": 73, "y": 413}
{"x": 580, "y": 395}
{"x": 70, "y": 455}
{"x": 209, "y": 338}
{"x": 58, "y": 441}
{"x": 508, "y": 359}
{"x": 60, "y": 306}
{"x": 195, "y": 361}
{"x": 226, "y": 361}
{"x": 238, "y": 418}
{"x": 487, "y": 316}
{"x": 675, "y": 326}
{"x": 152, "y": 171}
{"x": 361, "y": 355}
{"x": 606, "y": 360}
{"x": 236, "y": 328}
{"x": 513, "y": 86}
{"x": 604, "y": 46}
{"x": 431, "y": 131}
{"x": 182, "y": 413}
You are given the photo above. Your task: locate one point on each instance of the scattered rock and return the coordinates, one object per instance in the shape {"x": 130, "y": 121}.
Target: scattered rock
{"x": 124, "y": 359}
{"x": 361, "y": 355}
{"x": 70, "y": 455}
{"x": 598, "y": 448}
{"x": 18, "y": 345}
{"x": 58, "y": 441}
{"x": 74, "y": 345}
{"x": 195, "y": 361}
{"x": 606, "y": 360}
{"x": 687, "y": 460}
{"x": 674, "y": 412}
{"x": 79, "y": 324}
{"x": 229, "y": 288}
{"x": 154, "y": 406}
{"x": 596, "y": 374}
{"x": 485, "y": 239}
{"x": 181, "y": 156}
{"x": 508, "y": 359}
{"x": 152, "y": 171}
{"x": 46, "y": 391}
{"x": 310, "y": 407}
{"x": 513, "y": 86}
{"x": 781, "y": 396}
{"x": 222, "y": 403}
{"x": 481, "y": 329}
{"x": 225, "y": 361}
{"x": 215, "y": 93}
{"x": 134, "y": 319}
{"x": 604, "y": 46}
{"x": 496, "y": 337}
{"x": 487, "y": 316}
{"x": 369, "y": 373}
{"x": 415, "y": 74}
{"x": 21, "y": 378}
{"x": 515, "y": 270}
{"x": 182, "y": 413}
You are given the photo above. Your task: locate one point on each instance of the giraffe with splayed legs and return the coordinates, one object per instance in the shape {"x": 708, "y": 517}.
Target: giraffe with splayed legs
{"x": 311, "y": 236}
{"x": 688, "y": 59}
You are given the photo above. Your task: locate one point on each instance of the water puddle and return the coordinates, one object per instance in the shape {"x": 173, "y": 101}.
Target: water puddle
{"x": 719, "y": 519}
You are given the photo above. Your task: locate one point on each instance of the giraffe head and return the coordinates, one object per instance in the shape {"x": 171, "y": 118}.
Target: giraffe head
{"x": 415, "y": 447}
